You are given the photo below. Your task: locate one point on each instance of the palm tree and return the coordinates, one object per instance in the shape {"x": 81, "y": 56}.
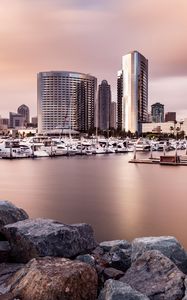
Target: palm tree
{"x": 177, "y": 130}
{"x": 171, "y": 129}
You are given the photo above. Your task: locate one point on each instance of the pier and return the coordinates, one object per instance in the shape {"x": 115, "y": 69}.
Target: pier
{"x": 169, "y": 160}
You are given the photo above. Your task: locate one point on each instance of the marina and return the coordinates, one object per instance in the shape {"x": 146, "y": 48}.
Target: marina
{"x": 44, "y": 146}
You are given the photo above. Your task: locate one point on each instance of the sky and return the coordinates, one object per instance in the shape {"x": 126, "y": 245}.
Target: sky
{"x": 91, "y": 36}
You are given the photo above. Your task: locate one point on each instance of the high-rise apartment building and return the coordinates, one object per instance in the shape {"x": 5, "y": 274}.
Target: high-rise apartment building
{"x": 66, "y": 100}
{"x": 24, "y": 111}
{"x": 157, "y": 112}
{"x": 104, "y": 103}
{"x": 132, "y": 86}
{"x": 113, "y": 111}
{"x": 170, "y": 116}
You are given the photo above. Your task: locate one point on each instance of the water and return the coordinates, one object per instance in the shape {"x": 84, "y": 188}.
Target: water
{"x": 120, "y": 200}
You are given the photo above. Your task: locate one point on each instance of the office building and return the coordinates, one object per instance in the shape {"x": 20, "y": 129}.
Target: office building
{"x": 34, "y": 121}
{"x": 157, "y": 112}
{"x": 24, "y": 111}
{"x": 170, "y": 116}
{"x": 16, "y": 120}
{"x": 132, "y": 87}
{"x": 113, "y": 111}
{"x": 4, "y": 123}
{"x": 104, "y": 104}
{"x": 66, "y": 100}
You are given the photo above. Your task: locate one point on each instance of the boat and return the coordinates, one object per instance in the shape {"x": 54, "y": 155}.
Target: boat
{"x": 121, "y": 148}
{"x": 13, "y": 149}
{"x": 142, "y": 145}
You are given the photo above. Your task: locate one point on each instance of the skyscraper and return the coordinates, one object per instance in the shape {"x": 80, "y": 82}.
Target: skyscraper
{"x": 157, "y": 112}
{"x": 113, "y": 115}
{"x": 132, "y": 92}
{"x": 104, "y": 103}
{"x": 24, "y": 111}
{"x": 66, "y": 100}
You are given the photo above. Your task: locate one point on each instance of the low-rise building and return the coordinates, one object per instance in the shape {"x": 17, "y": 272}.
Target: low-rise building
{"x": 161, "y": 127}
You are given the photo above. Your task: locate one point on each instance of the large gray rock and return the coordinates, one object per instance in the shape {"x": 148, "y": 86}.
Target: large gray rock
{"x": 9, "y": 213}
{"x": 111, "y": 273}
{"x": 108, "y": 245}
{"x": 52, "y": 278}
{"x": 115, "y": 254}
{"x": 168, "y": 245}
{"x": 4, "y": 251}
{"x": 7, "y": 270}
{"x": 116, "y": 290}
{"x": 185, "y": 285}
{"x": 156, "y": 276}
{"x": 87, "y": 258}
{"x": 120, "y": 258}
{"x": 44, "y": 237}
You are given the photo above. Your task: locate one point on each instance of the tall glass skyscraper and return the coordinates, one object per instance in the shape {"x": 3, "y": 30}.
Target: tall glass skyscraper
{"x": 66, "y": 100}
{"x": 132, "y": 92}
{"x": 104, "y": 103}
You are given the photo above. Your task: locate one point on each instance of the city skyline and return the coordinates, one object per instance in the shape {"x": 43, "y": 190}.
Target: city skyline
{"x": 61, "y": 35}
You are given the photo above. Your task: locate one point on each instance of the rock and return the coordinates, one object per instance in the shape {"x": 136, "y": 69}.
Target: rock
{"x": 9, "y": 213}
{"x": 156, "y": 276}
{"x": 185, "y": 285}
{"x": 114, "y": 254}
{"x": 43, "y": 237}
{"x": 168, "y": 245}
{"x": 52, "y": 278}
{"x": 87, "y": 258}
{"x": 98, "y": 251}
{"x": 7, "y": 270}
{"x": 116, "y": 290}
{"x": 108, "y": 245}
{"x": 111, "y": 273}
{"x": 120, "y": 258}
{"x": 4, "y": 251}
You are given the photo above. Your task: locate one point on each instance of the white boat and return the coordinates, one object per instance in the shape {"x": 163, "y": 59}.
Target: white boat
{"x": 37, "y": 148}
{"x": 142, "y": 145}
{"x": 13, "y": 149}
{"x": 120, "y": 148}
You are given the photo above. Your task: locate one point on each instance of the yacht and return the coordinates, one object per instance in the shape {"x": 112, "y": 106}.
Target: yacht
{"x": 13, "y": 149}
{"x": 142, "y": 145}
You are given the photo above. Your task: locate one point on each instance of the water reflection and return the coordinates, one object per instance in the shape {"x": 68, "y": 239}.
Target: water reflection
{"x": 120, "y": 200}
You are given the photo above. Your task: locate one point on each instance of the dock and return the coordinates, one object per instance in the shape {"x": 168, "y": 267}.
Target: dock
{"x": 165, "y": 160}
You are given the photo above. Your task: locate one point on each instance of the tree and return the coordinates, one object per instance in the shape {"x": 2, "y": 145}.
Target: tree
{"x": 177, "y": 131}
{"x": 172, "y": 129}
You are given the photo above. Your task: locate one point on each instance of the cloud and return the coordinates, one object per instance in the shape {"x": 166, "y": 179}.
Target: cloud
{"x": 90, "y": 36}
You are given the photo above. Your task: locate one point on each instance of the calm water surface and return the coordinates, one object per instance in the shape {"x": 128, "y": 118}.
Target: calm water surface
{"x": 120, "y": 200}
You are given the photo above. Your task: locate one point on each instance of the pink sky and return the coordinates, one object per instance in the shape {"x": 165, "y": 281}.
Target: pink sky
{"x": 91, "y": 36}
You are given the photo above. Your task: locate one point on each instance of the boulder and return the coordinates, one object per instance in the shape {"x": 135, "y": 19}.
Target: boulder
{"x": 4, "y": 251}
{"x": 168, "y": 245}
{"x": 116, "y": 290}
{"x": 9, "y": 213}
{"x": 43, "y": 237}
{"x": 185, "y": 285}
{"x": 52, "y": 278}
{"x": 108, "y": 245}
{"x": 156, "y": 276}
{"x": 114, "y": 254}
{"x": 111, "y": 273}
{"x": 86, "y": 258}
{"x": 120, "y": 258}
{"x": 7, "y": 270}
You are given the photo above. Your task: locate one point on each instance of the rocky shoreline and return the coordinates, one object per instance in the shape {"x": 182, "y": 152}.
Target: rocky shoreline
{"x": 42, "y": 259}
